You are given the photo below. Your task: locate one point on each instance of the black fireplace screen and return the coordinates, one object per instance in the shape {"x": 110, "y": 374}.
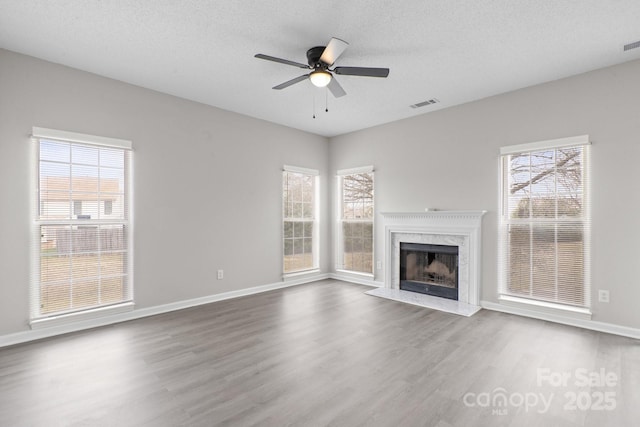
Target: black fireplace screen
{"x": 429, "y": 269}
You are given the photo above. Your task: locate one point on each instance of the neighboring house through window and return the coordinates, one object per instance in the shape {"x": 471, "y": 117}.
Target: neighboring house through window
{"x": 545, "y": 223}
{"x": 108, "y": 207}
{"x": 77, "y": 207}
{"x": 354, "y": 231}
{"x": 300, "y": 219}
{"x": 81, "y": 259}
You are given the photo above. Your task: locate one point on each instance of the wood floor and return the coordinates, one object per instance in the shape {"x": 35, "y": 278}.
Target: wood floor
{"x": 322, "y": 354}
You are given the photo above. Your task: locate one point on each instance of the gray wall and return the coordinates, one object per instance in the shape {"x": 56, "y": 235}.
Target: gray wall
{"x": 449, "y": 160}
{"x": 207, "y": 182}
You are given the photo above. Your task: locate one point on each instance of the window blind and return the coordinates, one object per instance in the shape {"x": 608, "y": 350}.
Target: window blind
{"x": 81, "y": 244}
{"x": 545, "y": 222}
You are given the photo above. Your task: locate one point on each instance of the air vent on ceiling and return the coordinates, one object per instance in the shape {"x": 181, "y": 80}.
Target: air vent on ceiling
{"x": 423, "y": 103}
{"x": 631, "y": 45}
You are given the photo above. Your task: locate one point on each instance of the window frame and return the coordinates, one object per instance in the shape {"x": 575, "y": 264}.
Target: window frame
{"x": 584, "y": 220}
{"x": 340, "y": 220}
{"x": 38, "y": 318}
{"x": 314, "y": 220}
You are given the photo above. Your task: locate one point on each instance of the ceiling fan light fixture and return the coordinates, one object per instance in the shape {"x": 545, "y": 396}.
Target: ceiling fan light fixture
{"x": 320, "y": 78}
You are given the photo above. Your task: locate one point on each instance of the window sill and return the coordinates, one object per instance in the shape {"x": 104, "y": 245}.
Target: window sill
{"x": 80, "y": 316}
{"x": 546, "y": 307}
{"x": 300, "y": 274}
{"x": 355, "y": 273}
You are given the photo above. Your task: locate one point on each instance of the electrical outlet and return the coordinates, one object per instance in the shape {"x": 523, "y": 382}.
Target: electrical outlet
{"x": 379, "y": 265}
{"x": 220, "y": 274}
{"x": 603, "y": 296}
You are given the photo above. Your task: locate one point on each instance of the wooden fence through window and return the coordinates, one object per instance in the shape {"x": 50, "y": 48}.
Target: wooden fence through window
{"x": 89, "y": 239}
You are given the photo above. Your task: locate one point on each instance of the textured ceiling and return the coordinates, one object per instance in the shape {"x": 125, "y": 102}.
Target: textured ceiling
{"x": 453, "y": 50}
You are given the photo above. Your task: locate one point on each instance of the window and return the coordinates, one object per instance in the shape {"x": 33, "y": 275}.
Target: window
{"x": 82, "y": 260}
{"x": 545, "y": 222}
{"x": 355, "y": 220}
{"x": 300, "y": 220}
{"x": 108, "y": 207}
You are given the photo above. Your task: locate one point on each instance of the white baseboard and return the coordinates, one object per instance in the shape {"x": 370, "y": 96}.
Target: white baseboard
{"x": 46, "y": 332}
{"x": 356, "y": 278}
{"x": 609, "y": 328}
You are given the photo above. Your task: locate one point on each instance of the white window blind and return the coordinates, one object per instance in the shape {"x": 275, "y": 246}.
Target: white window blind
{"x": 82, "y": 230}
{"x": 355, "y": 202}
{"x": 545, "y": 222}
{"x": 300, "y": 219}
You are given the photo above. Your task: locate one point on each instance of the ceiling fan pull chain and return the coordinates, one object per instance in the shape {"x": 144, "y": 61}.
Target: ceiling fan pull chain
{"x": 326, "y": 100}
{"x": 314, "y": 104}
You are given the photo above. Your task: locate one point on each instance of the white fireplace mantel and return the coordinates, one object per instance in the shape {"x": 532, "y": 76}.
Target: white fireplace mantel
{"x": 457, "y": 228}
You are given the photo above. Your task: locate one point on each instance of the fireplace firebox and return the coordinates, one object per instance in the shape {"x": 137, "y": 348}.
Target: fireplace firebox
{"x": 429, "y": 269}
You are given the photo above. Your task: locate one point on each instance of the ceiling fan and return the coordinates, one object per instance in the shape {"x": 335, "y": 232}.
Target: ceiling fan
{"x": 320, "y": 59}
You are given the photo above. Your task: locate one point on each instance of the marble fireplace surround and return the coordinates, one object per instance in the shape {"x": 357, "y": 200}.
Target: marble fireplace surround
{"x": 455, "y": 228}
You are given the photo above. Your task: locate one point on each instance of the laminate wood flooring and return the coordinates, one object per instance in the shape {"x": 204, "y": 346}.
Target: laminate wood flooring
{"x": 323, "y": 354}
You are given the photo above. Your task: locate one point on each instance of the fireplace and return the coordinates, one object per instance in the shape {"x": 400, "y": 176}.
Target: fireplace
{"x": 429, "y": 269}
{"x": 454, "y": 234}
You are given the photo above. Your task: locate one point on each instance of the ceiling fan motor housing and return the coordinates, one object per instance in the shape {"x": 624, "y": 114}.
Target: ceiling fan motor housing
{"x": 313, "y": 57}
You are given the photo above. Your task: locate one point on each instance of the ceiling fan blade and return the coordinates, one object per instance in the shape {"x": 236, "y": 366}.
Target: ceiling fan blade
{"x": 335, "y": 88}
{"x": 291, "y": 82}
{"x": 333, "y": 50}
{"x": 362, "y": 71}
{"x": 282, "y": 61}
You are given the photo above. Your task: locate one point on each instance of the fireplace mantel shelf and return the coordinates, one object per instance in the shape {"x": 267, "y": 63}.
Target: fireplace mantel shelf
{"x": 434, "y": 214}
